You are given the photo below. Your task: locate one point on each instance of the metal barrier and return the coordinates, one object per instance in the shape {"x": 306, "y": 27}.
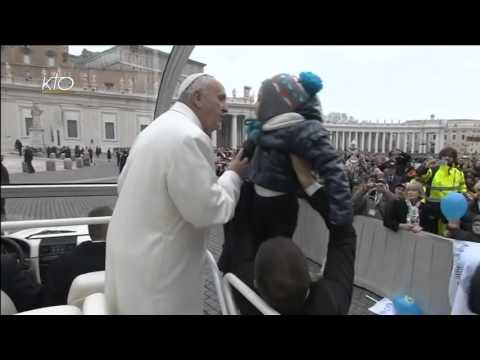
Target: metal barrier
{"x": 217, "y": 279}
{"x": 29, "y": 224}
{"x": 58, "y": 190}
{"x": 388, "y": 263}
{"x": 249, "y": 294}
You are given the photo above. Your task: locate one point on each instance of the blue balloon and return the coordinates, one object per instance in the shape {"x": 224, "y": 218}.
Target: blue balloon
{"x": 453, "y": 206}
{"x": 406, "y": 305}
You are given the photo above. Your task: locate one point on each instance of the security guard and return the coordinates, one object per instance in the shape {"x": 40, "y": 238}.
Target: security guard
{"x": 440, "y": 180}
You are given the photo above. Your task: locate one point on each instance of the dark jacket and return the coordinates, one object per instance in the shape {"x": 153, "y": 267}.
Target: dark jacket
{"x": 330, "y": 295}
{"x": 20, "y": 285}
{"x": 394, "y": 180}
{"x": 28, "y": 155}
{"x": 272, "y": 168}
{"x": 474, "y": 296}
{"x": 87, "y": 257}
{"x": 396, "y": 214}
{"x": 467, "y": 219}
{"x": 459, "y": 234}
{"x": 5, "y": 176}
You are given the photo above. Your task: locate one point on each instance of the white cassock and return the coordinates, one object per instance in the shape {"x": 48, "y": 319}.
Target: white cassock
{"x": 169, "y": 195}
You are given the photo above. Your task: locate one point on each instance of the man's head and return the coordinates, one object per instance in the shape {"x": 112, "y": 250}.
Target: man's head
{"x": 205, "y": 96}
{"x": 448, "y": 155}
{"x": 476, "y": 225}
{"x": 476, "y": 166}
{"x": 371, "y": 181}
{"x": 99, "y": 231}
{"x": 281, "y": 275}
{"x": 400, "y": 190}
{"x": 470, "y": 179}
{"x": 389, "y": 169}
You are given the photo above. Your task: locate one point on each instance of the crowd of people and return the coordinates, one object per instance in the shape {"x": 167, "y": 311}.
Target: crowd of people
{"x": 223, "y": 157}
{"x": 66, "y": 151}
{"x": 405, "y": 191}
{"x": 85, "y": 152}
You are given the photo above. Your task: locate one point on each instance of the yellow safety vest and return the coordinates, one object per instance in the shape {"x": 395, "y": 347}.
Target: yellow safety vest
{"x": 446, "y": 180}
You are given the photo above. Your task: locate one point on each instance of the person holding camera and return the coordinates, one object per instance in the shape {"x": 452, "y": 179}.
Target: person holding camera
{"x": 372, "y": 199}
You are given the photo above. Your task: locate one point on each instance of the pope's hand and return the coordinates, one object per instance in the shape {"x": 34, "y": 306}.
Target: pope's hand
{"x": 238, "y": 165}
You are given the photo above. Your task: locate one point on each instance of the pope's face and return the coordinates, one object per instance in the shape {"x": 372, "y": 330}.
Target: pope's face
{"x": 211, "y": 106}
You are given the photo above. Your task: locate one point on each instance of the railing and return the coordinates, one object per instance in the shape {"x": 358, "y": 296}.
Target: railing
{"x": 217, "y": 280}
{"x": 58, "y": 190}
{"x": 29, "y": 224}
{"x": 249, "y": 294}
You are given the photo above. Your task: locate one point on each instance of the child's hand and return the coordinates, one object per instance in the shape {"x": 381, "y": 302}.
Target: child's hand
{"x": 416, "y": 229}
{"x": 453, "y": 224}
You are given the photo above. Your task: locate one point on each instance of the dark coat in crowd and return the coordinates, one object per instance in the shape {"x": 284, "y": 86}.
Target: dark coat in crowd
{"x": 460, "y": 234}
{"x": 28, "y": 155}
{"x": 5, "y": 181}
{"x": 18, "y": 146}
{"x": 396, "y": 214}
{"x": 393, "y": 181}
{"x": 474, "y": 296}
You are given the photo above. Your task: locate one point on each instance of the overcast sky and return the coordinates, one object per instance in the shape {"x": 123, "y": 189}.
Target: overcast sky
{"x": 366, "y": 82}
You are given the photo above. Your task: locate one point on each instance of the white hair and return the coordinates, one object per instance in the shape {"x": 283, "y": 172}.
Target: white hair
{"x": 198, "y": 84}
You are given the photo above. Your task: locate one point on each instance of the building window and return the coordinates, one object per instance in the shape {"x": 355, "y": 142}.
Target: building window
{"x": 445, "y": 137}
{"x": 28, "y": 125}
{"x": 109, "y": 131}
{"x": 454, "y": 137}
{"x": 26, "y": 59}
{"x": 142, "y": 122}
{"x": 463, "y": 137}
{"x": 72, "y": 129}
{"x": 26, "y": 121}
{"x": 109, "y": 126}
{"x": 71, "y": 120}
{"x": 51, "y": 61}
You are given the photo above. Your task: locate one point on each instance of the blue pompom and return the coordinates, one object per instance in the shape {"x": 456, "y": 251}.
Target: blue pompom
{"x": 310, "y": 82}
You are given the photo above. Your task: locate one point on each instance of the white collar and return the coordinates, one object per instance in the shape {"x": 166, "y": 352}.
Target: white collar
{"x": 187, "y": 112}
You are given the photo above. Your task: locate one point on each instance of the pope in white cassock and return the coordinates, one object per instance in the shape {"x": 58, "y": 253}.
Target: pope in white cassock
{"x": 169, "y": 195}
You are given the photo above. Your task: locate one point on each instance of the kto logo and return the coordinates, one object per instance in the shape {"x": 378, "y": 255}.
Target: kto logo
{"x": 53, "y": 83}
